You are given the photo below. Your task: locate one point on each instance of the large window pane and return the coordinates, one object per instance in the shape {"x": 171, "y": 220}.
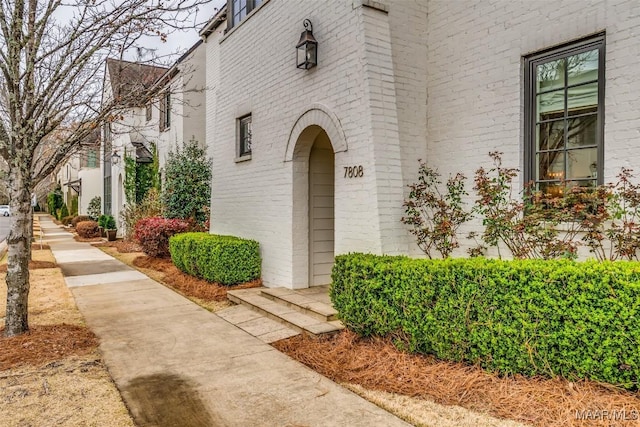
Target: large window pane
{"x": 550, "y": 75}
{"x": 550, "y": 135}
{"x": 582, "y": 67}
{"x": 553, "y": 189}
{"x": 550, "y": 105}
{"x": 582, "y": 131}
{"x": 581, "y": 99}
{"x": 581, "y": 164}
{"x": 550, "y": 166}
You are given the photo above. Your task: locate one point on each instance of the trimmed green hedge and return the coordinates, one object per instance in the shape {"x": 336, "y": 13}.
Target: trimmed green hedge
{"x": 534, "y": 317}
{"x": 227, "y": 260}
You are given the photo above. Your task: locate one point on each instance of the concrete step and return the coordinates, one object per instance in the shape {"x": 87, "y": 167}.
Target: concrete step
{"x": 280, "y": 312}
{"x": 302, "y": 303}
{"x": 261, "y": 327}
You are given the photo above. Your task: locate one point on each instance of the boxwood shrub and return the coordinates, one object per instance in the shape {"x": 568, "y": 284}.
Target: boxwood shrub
{"x": 227, "y": 260}
{"x": 533, "y": 317}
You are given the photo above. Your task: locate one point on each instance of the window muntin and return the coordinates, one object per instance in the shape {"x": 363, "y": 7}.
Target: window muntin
{"x": 565, "y": 112}
{"x": 244, "y": 136}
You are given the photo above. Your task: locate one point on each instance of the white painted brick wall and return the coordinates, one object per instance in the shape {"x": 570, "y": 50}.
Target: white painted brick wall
{"x": 358, "y": 79}
{"x": 475, "y": 76}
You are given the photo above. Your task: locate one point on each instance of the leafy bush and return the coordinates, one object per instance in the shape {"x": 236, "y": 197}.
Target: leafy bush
{"x": 533, "y": 317}
{"x": 187, "y": 187}
{"x": 436, "y": 215}
{"x": 527, "y": 224}
{"x": 55, "y": 201}
{"x": 80, "y": 218}
{"x": 95, "y": 208}
{"x": 87, "y": 229}
{"x": 150, "y": 206}
{"x": 67, "y": 220}
{"x": 153, "y": 234}
{"x": 64, "y": 212}
{"x": 226, "y": 260}
{"x": 109, "y": 223}
{"x": 74, "y": 206}
{"x": 102, "y": 221}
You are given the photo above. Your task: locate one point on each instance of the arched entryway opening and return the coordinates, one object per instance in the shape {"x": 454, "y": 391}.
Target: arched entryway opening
{"x": 313, "y": 208}
{"x": 315, "y": 139}
{"x": 321, "y": 210}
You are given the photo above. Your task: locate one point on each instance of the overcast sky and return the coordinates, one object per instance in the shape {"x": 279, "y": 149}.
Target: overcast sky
{"x": 178, "y": 41}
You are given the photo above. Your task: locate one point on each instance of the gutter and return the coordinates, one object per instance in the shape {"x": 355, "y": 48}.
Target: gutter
{"x": 215, "y": 22}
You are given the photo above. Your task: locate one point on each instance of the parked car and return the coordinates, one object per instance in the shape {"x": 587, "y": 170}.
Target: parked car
{"x": 4, "y": 210}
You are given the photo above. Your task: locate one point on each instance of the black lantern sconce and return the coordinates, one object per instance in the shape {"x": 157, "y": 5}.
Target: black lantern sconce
{"x": 307, "y": 48}
{"x": 115, "y": 157}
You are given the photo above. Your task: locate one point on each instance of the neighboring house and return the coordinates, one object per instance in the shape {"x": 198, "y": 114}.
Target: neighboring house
{"x": 315, "y": 161}
{"x": 129, "y": 134}
{"x": 177, "y": 114}
{"x": 67, "y": 178}
{"x": 89, "y": 176}
{"x": 171, "y": 112}
{"x": 79, "y": 175}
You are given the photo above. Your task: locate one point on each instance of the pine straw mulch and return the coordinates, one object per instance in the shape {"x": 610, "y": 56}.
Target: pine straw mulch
{"x": 123, "y": 246}
{"x": 44, "y": 344}
{"x": 87, "y": 239}
{"x": 33, "y": 265}
{"x": 36, "y": 246}
{"x": 376, "y": 364}
{"x": 189, "y": 285}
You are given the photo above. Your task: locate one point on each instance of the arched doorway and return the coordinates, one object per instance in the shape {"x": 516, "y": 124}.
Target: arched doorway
{"x": 321, "y": 210}
{"x": 314, "y": 141}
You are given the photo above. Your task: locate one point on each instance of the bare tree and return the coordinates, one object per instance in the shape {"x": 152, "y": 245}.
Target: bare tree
{"x": 52, "y": 55}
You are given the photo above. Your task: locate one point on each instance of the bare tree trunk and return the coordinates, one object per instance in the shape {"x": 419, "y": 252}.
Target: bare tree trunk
{"x": 19, "y": 244}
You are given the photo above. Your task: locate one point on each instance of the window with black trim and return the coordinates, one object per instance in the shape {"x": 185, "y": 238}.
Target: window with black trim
{"x": 564, "y": 116}
{"x": 149, "y": 112}
{"x": 244, "y": 136}
{"x": 240, "y": 9}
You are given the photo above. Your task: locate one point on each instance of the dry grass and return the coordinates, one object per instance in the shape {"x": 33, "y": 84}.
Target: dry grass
{"x": 376, "y": 364}
{"x": 53, "y": 375}
{"x": 73, "y": 391}
{"x": 425, "y": 413}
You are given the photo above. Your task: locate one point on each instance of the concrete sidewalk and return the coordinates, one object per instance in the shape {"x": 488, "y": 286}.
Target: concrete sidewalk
{"x": 178, "y": 364}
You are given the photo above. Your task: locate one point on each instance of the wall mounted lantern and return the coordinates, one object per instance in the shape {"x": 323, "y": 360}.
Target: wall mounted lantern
{"x": 307, "y": 48}
{"x": 115, "y": 157}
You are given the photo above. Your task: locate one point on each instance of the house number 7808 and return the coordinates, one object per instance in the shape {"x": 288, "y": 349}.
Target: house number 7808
{"x": 353, "y": 171}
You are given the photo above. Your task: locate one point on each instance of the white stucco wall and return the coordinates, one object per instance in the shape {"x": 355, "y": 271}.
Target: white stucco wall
{"x": 187, "y": 106}
{"x": 363, "y": 67}
{"x": 475, "y": 76}
{"x": 91, "y": 187}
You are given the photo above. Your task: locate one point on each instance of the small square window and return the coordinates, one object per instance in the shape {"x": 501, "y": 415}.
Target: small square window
{"x": 244, "y": 136}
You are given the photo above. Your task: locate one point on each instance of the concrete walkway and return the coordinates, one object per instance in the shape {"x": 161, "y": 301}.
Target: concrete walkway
{"x": 177, "y": 364}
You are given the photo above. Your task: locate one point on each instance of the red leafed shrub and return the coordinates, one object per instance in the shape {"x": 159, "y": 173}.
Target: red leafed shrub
{"x": 87, "y": 229}
{"x": 153, "y": 234}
